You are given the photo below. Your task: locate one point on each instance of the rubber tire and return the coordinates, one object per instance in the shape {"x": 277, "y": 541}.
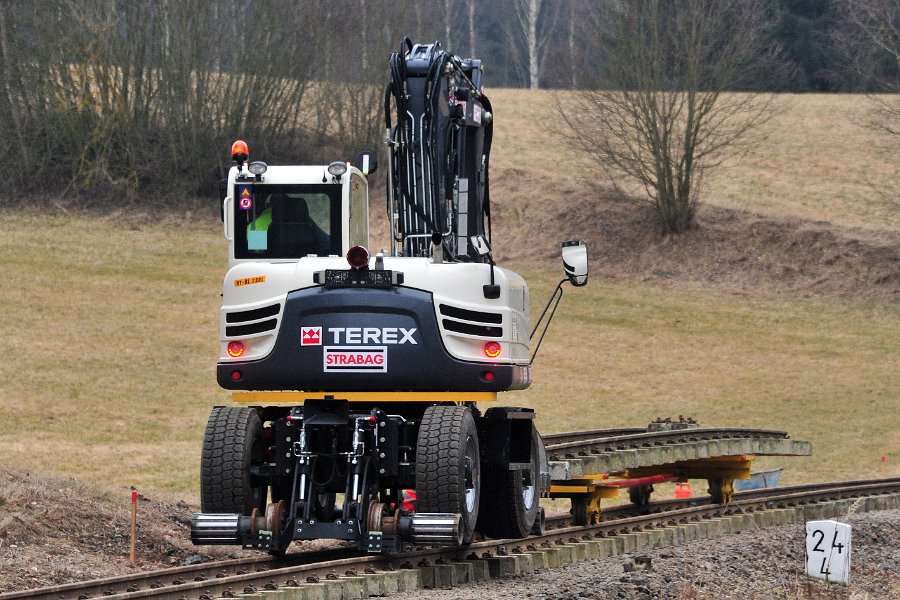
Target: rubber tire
{"x": 504, "y": 514}
{"x": 232, "y": 443}
{"x": 440, "y": 465}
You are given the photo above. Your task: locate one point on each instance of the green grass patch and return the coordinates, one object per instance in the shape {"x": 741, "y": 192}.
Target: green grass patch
{"x": 111, "y": 337}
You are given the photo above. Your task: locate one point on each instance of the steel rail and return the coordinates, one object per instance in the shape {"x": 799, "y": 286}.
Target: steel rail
{"x": 279, "y": 574}
{"x": 578, "y": 436}
{"x": 650, "y": 439}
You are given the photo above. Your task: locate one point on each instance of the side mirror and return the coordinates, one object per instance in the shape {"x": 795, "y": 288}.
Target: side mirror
{"x": 575, "y": 262}
{"x": 367, "y": 162}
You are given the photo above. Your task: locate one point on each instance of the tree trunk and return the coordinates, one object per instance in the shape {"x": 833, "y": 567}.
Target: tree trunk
{"x": 472, "y": 53}
{"x": 534, "y": 7}
{"x": 8, "y": 88}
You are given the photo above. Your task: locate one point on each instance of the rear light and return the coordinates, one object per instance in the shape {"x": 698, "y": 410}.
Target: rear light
{"x": 492, "y": 349}
{"x": 488, "y": 376}
{"x": 358, "y": 257}
{"x": 235, "y": 349}
{"x": 236, "y": 376}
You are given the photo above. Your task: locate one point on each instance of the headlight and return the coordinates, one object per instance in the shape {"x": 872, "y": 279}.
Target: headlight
{"x": 337, "y": 168}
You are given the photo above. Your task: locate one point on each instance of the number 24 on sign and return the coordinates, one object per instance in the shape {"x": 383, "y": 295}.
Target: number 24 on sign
{"x": 828, "y": 550}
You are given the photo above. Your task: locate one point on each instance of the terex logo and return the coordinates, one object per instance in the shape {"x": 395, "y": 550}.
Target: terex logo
{"x": 310, "y": 336}
{"x": 372, "y": 335}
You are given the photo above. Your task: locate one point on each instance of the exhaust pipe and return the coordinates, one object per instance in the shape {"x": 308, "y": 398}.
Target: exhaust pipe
{"x": 215, "y": 529}
{"x": 436, "y": 529}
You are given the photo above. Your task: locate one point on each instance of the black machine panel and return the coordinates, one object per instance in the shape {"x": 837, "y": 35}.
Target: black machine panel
{"x": 361, "y": 339}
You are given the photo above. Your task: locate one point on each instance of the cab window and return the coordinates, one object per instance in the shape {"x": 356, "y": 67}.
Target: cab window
{"x": 286, "y": 221}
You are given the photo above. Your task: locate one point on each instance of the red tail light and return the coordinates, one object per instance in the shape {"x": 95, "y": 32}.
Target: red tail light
{"x": 235, "y": 349}
{"x": 492, "y": 349}
{"x": 358, "y": 257}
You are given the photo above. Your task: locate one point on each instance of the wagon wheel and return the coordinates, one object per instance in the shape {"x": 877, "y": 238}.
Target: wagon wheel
{"x": 640, "y": 494}
{"x": 720, "y": 490}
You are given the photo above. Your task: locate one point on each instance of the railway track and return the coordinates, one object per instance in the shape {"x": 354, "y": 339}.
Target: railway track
{"x": 342, "y": 568}
{"x": 583, "y": 443}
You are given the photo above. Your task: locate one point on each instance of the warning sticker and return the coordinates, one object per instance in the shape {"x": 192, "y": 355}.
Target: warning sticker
{"x": 355, "y": 359}
{"x": 245, "y": 196}
{"x": 249, "y": 280}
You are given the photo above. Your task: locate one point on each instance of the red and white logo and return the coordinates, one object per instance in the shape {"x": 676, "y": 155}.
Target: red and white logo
{"x": 310, "y": 336}
{"x": 355, "y": 359}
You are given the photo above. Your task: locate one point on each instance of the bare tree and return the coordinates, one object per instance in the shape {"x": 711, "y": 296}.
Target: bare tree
{"x": 530, "y": 40}
{"x": 663, "y": 115}
{"x": 870, "y": 42}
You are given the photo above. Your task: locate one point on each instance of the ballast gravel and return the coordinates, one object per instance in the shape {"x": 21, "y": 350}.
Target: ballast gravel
{"x": 761, "y": 564}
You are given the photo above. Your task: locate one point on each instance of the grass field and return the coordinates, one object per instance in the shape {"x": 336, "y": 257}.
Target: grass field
{"x": 110, "y": 325}
{"x": 813, "y": 161}
{"x": 110, "y": 335}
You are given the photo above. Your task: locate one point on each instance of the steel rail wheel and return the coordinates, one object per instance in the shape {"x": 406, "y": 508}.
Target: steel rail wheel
{"x": 448, "y": 468}
{"x": 232, "y": 444}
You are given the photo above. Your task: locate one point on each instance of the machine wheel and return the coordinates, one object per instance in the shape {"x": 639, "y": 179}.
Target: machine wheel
{"x": 640, "y": 494}
{"x": 586, "y": 510}
{"x": 448, "y": 469}
{"x": 720, "y": 490}
{"x": 512, "y": 498}
{"x": 231, "y": 445}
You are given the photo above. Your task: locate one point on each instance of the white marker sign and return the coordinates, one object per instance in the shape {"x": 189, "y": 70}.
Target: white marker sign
{"x": 828, "y": 551}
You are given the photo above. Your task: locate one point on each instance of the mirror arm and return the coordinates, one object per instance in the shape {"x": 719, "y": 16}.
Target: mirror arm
{"x": 554, "y": 300}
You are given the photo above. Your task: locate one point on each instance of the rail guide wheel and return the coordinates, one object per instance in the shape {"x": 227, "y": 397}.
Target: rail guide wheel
{"x": 448, "y": 469}
{"x": 232, "y": 445}
{"x": 513, "y": 498}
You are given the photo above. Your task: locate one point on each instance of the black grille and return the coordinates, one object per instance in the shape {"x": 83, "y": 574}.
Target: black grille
{"x": 470, "y": 315}
{"x": 241, "y": 330}
{"x": 253, "y": 315}
{"x": 472, "y": 329}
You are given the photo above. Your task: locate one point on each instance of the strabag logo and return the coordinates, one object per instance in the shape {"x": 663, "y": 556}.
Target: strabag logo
{"x": 355, "y": 359}
{"x": 310, "y": 336}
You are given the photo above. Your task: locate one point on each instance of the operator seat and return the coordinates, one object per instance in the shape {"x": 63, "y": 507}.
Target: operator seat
{"x": 292, "y": 233}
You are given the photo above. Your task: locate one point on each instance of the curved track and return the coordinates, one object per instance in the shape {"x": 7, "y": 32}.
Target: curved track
{"x": 582, "y": 443}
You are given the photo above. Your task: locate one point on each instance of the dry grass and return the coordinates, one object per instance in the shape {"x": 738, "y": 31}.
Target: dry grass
{"x": 814, "y": 161}
{"x": 111, "y": 338}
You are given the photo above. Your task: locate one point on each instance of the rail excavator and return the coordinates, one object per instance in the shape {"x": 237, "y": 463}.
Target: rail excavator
{"x": 364, "y": 386}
